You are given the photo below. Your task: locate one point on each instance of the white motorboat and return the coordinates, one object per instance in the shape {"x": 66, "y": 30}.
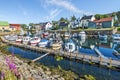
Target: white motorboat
{"x": 67, "y": 35}
{"x": 82, "y": 35}
{"x": 34, "y": 41}
{"x": 26, "y": 39}
{"x": 19, "y": 39}
{"x": 43, "y": 43}
{"x": 12, "y": 37}
{"x": 70, "y": 46}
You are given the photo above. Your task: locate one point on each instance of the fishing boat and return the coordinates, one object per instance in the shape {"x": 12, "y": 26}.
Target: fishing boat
{"x": 19, "y": 39}
{"x": 102, "y": 37}
{"x": 34, "y": 41}
{"x": 26, "y": 40}
{"x": 116, "y": 36}
{"x": 70, "y": 46}
{"x": 82, "y": 35}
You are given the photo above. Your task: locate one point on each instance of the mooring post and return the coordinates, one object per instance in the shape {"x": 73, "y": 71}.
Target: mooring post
{"x": 76, "y": 55}
{"x": 83, "y": 57}
{"x": 100, "y": 60}
{"x": 91, "y": 58}
{"x": 110, "y": 62}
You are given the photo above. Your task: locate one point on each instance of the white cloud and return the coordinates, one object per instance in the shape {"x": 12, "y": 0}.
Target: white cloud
{"x": 53, "y": 14}
{"x": 67, "y": 5}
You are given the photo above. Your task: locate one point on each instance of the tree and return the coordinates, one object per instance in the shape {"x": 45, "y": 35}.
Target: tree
{"x": 31, "y": 24}
{"x": 62, "y": 19}
{"x": 105, "y": 16}
{"x": 23, "y": 26}
{"x": 97, "y": 16}
{"x": 118, "y": 15}
{"x": 73, "y": 18}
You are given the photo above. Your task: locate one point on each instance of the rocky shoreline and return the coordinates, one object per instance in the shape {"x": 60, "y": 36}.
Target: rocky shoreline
{"x": 36, "y": 71}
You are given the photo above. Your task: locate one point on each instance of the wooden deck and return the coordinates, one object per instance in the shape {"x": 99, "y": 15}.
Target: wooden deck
{"x": 84, "y": 57}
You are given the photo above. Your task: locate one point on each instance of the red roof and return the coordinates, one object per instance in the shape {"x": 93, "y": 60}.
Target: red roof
{"x": 103, "y": 20}
{"x": 14, "y": 24}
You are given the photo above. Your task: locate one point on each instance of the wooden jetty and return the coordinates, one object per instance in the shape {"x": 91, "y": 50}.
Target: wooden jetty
{"x": 78, "y": 56}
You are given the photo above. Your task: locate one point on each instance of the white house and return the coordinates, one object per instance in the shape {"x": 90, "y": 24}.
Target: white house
{"x": 86, "y": 19}
{"x": 75, "y": 24}
{"x": 48, "y": 26}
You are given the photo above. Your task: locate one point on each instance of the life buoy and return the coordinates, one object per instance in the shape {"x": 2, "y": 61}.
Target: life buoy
{"x": 70, "y": 47}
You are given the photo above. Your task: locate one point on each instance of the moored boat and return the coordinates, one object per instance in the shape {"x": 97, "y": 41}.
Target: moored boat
{"x": 34, "y": 41}
{"x": 26, "y": 39}
{"x": 43, "y": 43}
{"x": 82, "y": 35}
{"x": 70, "y": 46}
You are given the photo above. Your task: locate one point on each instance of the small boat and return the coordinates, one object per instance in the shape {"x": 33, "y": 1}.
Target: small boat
{"x": 7, "y": 37}
{"x": 26, "y": 39}
{"x": 34, "y": 41}
{"x": 56, "y": 46}
{"x": 19, "y": 39}
{"x": 70, "y": 46}
{"x": 82, "y": 35}
{"x": 102, "y": 37}
{"x": 67, "y": 35}
{"x": 75, "y": 35}
{"x": 12, "y": 37}
{"x": 43, "y": 43}
{"x": 116, "y": 36}
{"x": 45, "y": 35}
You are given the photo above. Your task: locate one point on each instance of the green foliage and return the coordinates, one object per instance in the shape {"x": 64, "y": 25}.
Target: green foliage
{"x": 73, "y": 18}
{"x": 100, "y": 16}
{"x": 89, "y": 77}
{"x": 118, "y": 29}
{"x": 23, "y": 26}
{"x": 97, "y": 16}
{"x": 58, "y": 58}
{"x": 31, "y": 24}
{"x": 62, "y": 19}
{"x": 118, "y": 15}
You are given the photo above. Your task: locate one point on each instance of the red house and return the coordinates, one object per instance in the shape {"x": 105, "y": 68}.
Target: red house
{"x": 15, "y": 26}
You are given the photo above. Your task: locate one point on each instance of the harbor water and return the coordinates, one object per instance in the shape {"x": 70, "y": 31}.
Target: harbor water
{"x": 105, "y": 47}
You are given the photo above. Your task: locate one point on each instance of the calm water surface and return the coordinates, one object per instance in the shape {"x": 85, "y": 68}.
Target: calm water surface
{"x": 77, "y": 67}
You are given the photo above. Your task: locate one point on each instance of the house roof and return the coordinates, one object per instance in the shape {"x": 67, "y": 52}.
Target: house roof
{"x": 86, "y": 17}
{"x": 104, "y": 20}
{"x": 4, "y": 23}
{"x": 14, "y": 24}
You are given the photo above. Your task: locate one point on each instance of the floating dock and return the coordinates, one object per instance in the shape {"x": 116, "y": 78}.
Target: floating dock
{"x": 78, "y": 56}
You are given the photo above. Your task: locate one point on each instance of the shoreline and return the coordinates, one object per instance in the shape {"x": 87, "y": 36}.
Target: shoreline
{"x": 37, "y": 71}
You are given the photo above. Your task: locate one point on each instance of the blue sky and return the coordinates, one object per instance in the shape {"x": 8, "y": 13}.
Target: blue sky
{"x": 26, "y": 11}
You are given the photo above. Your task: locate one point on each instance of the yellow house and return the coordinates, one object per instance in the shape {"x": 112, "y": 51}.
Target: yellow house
{"x": 4, "y": 26}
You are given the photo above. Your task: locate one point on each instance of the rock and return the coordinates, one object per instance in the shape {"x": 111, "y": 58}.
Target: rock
{"x": 47, "y": 72}
{"x": 56, "y": 76}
